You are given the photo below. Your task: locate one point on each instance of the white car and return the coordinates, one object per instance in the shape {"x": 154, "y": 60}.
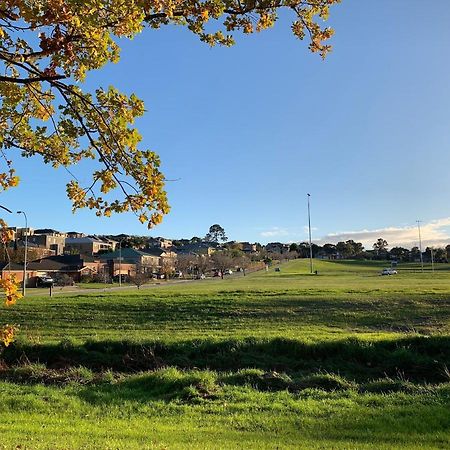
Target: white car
{"x": 389, "y": 272}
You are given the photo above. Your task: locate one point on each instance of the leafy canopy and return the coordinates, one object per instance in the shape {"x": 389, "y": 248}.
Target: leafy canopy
{"x": 216, "y": 234}
{"x": 47, "y": 47}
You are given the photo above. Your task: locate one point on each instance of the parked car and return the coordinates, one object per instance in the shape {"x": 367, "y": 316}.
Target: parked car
{"x": 389, "y": 271}
{"x": 45, "y": 281}
{"x": 228, "y": 272}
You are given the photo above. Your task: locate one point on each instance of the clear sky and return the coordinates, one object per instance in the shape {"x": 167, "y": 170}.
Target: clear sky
{"x": 248, "y": 131}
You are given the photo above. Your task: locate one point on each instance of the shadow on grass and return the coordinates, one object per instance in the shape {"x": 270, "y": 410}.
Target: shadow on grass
{"x": 417, "y": 359}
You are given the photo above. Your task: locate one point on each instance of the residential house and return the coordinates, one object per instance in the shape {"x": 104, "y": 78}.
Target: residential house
{"x": 54, "y": 266}
{"x": 246, "y": 247}
{"x": 15, "y": 269}
{"x": 277, "y": 247}
{"x": 127, "y": 261}
{"x": 88, "y": 245}
{"x": 198, "y": 248}
{"x": 50, "y": 239}
{"x": 160, "y": 242}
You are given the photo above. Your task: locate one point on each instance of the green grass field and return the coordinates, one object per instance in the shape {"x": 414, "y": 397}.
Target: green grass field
{"x": 345, "y": 359}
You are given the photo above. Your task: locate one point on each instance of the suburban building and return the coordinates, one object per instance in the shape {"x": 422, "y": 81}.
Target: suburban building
{"x": 16, "y": 270}
{"x": 246, "y": 247}
{"x": 198, "y": 248}
{"x": 88, "y": 245}
{"x": 277, "y": 247}
{"x": 160, "y": 242}
{"x": 50, "y": 239}
{"x": 149, "y": 260}
{"x": 130, "y": 255}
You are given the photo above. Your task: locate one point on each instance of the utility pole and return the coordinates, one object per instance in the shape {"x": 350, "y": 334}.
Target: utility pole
{"x": 120, "y": 263}
{"x": 420, "y": 244}
{"x": 310, "y": 244}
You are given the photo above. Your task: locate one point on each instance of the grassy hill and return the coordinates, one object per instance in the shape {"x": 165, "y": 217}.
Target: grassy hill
{"x": 343, "y": 359}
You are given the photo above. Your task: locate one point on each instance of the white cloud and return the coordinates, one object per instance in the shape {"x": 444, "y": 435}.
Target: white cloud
{"x": 434, "y": 233}
{"x": 275, "y": 232}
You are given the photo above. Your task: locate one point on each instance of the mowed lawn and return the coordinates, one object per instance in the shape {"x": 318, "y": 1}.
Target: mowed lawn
{"x": 343, "y": 359}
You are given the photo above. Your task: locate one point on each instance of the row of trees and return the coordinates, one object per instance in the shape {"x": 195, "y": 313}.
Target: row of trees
{"x": 380, "y": 250}
{"x": 220, "y": 262}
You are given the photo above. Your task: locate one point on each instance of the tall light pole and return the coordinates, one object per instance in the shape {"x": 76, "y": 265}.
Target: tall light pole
{"x": 24, "y": 283}
{"x": 120, "y": 263}
{"x": 420, "y": 244}
{"x": 310, "y": 244}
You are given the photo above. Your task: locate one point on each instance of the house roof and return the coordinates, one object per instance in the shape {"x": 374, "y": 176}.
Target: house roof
{"x": 154, "y": 251}
{"x": 83, "y": 240}
{"x": 5, "y": 265}
{"x": 126, "y": 254}
{"x": 46, "y": 231}
{"x": 59, "y": 263}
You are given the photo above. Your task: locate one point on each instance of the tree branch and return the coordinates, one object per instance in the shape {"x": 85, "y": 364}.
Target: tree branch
{"x": 32, "y": 79}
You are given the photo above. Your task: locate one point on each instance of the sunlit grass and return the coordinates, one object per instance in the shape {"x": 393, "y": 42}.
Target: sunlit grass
{"x": 343, "y": 359}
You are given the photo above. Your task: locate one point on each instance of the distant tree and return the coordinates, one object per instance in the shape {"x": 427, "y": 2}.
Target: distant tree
{"x": 440, "y": 255}
{"x": 293, "y": 247}
{"x": 244, "y": 262}
{"x": 167, "y": 268}
{"x": 447, "y": 250}
{"x": 357, "y": 247}
{"x": 140, "y": 279}
{"x": 414, "y": 254}
{"x": 315, "y": 249}
{"x": 345, "y": 249}
{"x": 329, "y": 249}
{"x": 195, "y": 240}
{"x": 202, "y": 264}
{"x": 222, "y": 261}
{"x": 185, "y": 264}
{"x": 349, "y": 249}
{"x": 18, "y": 255}
{"x": 380, "y": 248}
{"x": 303, "y": 249}
{"x": 216, "y": 234}
{"x": 291, "y": 255}
{"x": 400, "y": 253}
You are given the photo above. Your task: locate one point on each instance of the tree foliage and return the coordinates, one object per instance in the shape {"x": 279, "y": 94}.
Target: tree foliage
{"x": 47, "y": 47}
{"x": 216, "y": 234}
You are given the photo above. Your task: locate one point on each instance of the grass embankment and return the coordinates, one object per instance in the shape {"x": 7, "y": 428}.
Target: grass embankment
{"x": 345, "y": 359}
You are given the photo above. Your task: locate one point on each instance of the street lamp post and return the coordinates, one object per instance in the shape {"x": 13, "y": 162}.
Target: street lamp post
{"x": 420, "y": 244}
{"x": 120, "y": 263}
{"x": 24, "y": 283}
{"x": 310, "y": 244}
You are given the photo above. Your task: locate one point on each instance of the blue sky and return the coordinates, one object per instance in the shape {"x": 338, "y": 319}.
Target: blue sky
{"x": 248, "y": 131}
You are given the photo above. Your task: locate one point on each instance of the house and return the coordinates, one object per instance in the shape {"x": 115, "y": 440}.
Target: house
{"x": 198, "y": 248}
{"x": 160, "y": 242}
{"x": 75, "y": 234}
{"x": 48, "y": 238}
{"x": 164, "y": 255}
{"x": 246, "y": 247}
{"x": 34, "y": 251}
{"x": 127, "y": 261}
{"x": 15, "y": 269}
{"x": 72, "y": 265}
{"x": 88, "y": 245}
{"x": 277, "y": 247}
